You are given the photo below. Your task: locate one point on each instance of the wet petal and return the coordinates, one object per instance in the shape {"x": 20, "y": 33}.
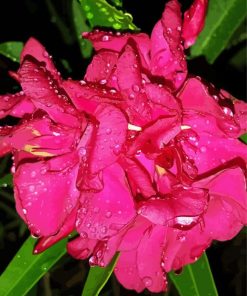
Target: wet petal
{"x": 35, "y": 49}
{"x": 104, "y": 213}
{"x": 81, "y": 247}
{"x": 41, "y": 193}
{"x": 194, "y": 19}
{"x": 167, "y": 56}
{"x": 149, "y": 259}
{"x": 127, "y": 273}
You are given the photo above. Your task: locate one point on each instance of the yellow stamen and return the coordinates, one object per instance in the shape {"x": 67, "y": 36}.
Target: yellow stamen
{"x": 161, "y": 171}
{"x": 31, "y": 149}
{"x": 184, "y": 127}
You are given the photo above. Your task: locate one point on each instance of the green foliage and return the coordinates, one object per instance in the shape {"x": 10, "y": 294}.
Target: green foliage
{"x": 6, "y": 180}
{"x": 243, "y": 138}
{"x": 196, "y": 279}
{"x": 98, "y": 277}
{"x": 26, "y": 269}
{"x": 11, "y": 50}
{"x": 102, "y": 14}
{"x": 223, "y": 19}
{"x": 79, "y": 19}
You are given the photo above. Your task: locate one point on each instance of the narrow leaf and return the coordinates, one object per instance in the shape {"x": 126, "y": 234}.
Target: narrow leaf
{"x": 11, "y": 50}
{"x": 223, "y": 18}
{"x": 196, "y": 279}
{"x": 243, "y": 138}
{"x": 79, "y": 19}
{"x": 26, "y": 269}
{"x": 98, "y": 277}
{"x": 6, "y": 180}
{"x": 101, "y": 13}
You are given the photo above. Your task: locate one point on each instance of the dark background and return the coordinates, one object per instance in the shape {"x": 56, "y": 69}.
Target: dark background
{"x": 22, "y": 19}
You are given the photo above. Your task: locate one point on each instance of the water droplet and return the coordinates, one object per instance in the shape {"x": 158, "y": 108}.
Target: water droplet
{"x": 31, "y": 188}
{"x": 108, "y": 131}
{"x": 82, "y": 151}
{"x": 24, "y": 211}
{"x": 147, "y": 281}
{"x": 117, "y": 149}
{"x": 203, "y": 149}
{"x": 106, "y": 38}
{"x": 108, "y": 214}
{"x": 135, "y": 88}
{"x": 103, "y": 81}
{"x": 131, "y": 96}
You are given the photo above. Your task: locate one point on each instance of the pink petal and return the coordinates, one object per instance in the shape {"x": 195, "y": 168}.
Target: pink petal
{"x": 35, "y": 49}
{"x": 127, "y": 273}
{"x": 46, "y": 197}
{"x": 104, "y": 213}
{"x": 149, "y": 259}
{"x": 167, "y": 57}
{"x": 45, "y": 94}
{"x": 15, "y": 104}
{"x": 111, "y": 135}
{"x": 241, "y": 114}
{"x": 101, "y": 66}
{"x": 64, "y": 231}
{"x": 195, "y": 96}
{"x": 138, "y": 178}
{"x": 182, "y": 209}
{"x": 193, "y": 23}
{"x": 155, "y": 136}
{"x": 129, "y": 81}
{"x": 116, "y": 42}
{"x": 81, "y": 247}
{"x": 87, "y": 96}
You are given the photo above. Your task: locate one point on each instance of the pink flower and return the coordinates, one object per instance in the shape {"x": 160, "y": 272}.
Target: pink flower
{"x": 137, "y": 157}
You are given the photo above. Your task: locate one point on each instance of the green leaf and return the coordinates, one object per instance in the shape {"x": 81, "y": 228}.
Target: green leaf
{"x": 102, "y": 14}
{"x": 26, "y": 269}
{"x": 98, "y": 277}
{"x": 79, "y": 19}
{"x": 223, "y": 18}
{"x": 196, "y": 279}
{"x": 11, "y": 50}
{"x": 243, "y": 138}
{"x": 6, "y": 180}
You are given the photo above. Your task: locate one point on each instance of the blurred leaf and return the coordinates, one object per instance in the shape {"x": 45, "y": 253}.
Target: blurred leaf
{"x": 239, "y": 35}
{"x": 6, "y": 180}
{"x": 223, "y": 18}
{"x": 102, "y": 14}
{"x": 117, "y": 3}
{"x": 11, "y": 50}
{"x": 26, "y": 269}
{"x": 196, "y": 279}
{"x": 79, "y": 19}
{"x": 243, "y": 138}
{"x": 98, "y": 277}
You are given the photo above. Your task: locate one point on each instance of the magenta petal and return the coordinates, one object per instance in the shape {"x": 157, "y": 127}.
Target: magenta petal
{"x": 44, "y": 92}
{"x": 64, "y": 231}
{"x": 182, "y": 210}
{"x": 149, "y": 255}
{"x": 101, "y": 67}
{"x": 127, "y": 273}
{"x": 103, "y": 214}
{"x": 193, "y": 23}
{"x": 16, "y": 105}
{"x": 111, "y": 135}
{"x": 46, "y": 197}
{"x": 81, "y": 247}
{"x": 35, "y": 49}
{"x": 109, "y": 41}
{"x": 167, "y": 56}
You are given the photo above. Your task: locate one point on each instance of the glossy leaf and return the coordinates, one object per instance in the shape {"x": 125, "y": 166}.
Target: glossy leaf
{"x": 79, "y": 19}
{"x": 6, "y": 180}
{"x": 196, "y": 279}
{"x": 223, "y": 18}
{"x": 101, "y": 14}
{"x": 11, "y": 50}
{"x": 243, "y": 138}
{"x": 26, "y": 269}
{"x": 98, "y": 277}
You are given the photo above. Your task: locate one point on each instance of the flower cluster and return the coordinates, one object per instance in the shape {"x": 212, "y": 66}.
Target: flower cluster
{"x": 139, "y": 157}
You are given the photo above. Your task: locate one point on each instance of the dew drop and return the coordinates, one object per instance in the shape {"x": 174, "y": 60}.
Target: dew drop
{"x": 147, "y": 281}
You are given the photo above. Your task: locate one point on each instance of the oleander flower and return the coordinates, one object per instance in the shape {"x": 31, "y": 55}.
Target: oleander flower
{"x": 138, "y": 157}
